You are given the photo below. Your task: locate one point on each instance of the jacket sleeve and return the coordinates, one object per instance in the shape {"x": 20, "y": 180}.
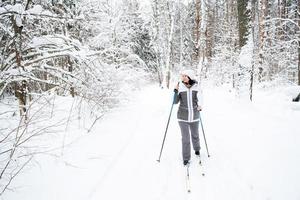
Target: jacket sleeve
{"x": 200, "y": 96}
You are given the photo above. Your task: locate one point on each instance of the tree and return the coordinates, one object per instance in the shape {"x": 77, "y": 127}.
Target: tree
{"x": 297, "y": 16}
{"x": 88, "y": 50}
{"x": 243, "y": 20}
{"x": 253, "y": 20}
{"x": 197, "y": 33}
{"x": 165, "y": 30}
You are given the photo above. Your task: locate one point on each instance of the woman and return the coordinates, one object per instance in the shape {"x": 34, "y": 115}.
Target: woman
{"x": 189, "y": 94}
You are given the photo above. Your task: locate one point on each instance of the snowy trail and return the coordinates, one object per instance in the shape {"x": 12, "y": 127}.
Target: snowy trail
{"x": 254, "y": 154}
{"x": 137, "y": 174}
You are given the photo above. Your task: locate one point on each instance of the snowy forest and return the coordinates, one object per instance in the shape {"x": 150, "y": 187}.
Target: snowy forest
{"x": 68, "y": 65}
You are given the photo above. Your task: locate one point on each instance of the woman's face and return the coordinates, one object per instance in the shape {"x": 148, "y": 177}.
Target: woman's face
{"x": 184, "y": 78}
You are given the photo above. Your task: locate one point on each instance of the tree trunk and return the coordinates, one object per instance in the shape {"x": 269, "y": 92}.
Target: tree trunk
{"x": 20, "y": 87}
{"x": 298, "y": 18}
{"x": 242, "y": 22}
{"x": 253, "y": 10}
{"x": 210, "y": 30}
{"x": 197, "y": 33}
{"x": 156, "y": 40}
{"x": 232, "y": 21}
{"x": 263, "y": 7}
{"x": 70, "y": 69}
{"x": 298, "y": 62}
{"x": 170, "y": 43}
{"x": 181, "y": 34}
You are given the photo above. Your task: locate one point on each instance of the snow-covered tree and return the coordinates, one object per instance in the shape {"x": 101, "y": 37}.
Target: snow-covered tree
{"x": 95, "y": 51}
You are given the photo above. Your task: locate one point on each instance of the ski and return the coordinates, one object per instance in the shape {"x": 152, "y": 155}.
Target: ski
{"x": 199, "y": 157}
{"x": 200, "y": 163}
{"x": 188, "y": 184}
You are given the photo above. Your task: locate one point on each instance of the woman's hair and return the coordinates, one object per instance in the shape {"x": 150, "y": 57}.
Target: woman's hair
{"x": 191, "y": 82}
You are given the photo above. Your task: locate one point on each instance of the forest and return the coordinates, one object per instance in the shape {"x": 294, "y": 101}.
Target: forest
{"x": 91, "y": 54}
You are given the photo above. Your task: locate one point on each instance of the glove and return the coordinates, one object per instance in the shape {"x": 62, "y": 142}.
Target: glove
{"x": 176, "y": 88}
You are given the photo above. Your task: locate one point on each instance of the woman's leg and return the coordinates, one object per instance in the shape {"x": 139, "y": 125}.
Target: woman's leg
{"x": 195, "y": 135}
{"x": 185, "y": 139}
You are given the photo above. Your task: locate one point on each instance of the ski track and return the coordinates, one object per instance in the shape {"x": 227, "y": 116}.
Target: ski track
{"x": 119, "y": 155}
{"x": 118, "y": 158}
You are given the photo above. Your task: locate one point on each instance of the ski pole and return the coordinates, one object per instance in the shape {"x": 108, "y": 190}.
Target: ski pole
{"x": 204, "y": 136}
{"x": 162, "y": 146}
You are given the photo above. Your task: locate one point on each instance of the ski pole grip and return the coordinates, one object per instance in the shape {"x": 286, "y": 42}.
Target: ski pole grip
{"x": 175, "y": 96}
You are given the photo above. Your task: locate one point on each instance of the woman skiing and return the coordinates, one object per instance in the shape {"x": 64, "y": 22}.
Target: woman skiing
{"x": 189, "y": 95}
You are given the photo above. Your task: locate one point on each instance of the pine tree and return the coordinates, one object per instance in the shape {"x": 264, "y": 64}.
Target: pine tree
{"x": 243, "y": 18}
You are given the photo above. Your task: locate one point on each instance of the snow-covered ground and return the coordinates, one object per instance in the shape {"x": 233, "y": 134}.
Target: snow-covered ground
{"x": 254, "y": 151}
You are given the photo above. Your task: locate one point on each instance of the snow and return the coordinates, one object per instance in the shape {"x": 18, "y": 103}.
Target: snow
{"x": 36, "y": 9}
{"x": 18, "y": 8}
{"x": 45, "y": 40}
{"x": 19, "y": 21}
{"x": 254, "y": 149}
{"x": 5, "y": 9}
{"x": 246, "y": 54}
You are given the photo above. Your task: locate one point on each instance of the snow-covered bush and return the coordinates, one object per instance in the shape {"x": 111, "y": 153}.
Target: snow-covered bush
{"x": 92, "y": 51}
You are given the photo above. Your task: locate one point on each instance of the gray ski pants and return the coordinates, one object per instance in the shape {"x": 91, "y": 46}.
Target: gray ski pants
{"x": 189, "y": 130}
